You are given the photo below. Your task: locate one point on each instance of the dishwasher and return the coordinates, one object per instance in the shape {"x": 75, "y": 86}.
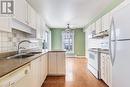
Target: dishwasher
{"x": 18, "y": 78}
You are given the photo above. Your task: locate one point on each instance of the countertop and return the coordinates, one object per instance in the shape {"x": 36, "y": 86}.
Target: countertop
{"x": 9, "y": 65}
{"x": 106, "y": 51}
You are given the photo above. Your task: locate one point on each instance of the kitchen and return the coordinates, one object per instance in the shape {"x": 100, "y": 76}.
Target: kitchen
{"x": 74, "y": 43}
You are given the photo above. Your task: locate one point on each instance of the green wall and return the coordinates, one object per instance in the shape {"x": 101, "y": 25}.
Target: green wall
{"x": 56, "y": 39}
{"x": 79, "y": 41}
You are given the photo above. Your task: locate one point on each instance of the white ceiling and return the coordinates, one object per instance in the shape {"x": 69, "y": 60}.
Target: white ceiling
{"x": 58, "y": 13}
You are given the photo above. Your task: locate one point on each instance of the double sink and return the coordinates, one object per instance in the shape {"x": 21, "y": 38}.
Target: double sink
{"x": 23, "y": 55}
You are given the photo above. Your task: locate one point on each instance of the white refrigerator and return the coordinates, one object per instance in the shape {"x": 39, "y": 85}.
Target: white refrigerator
{"x": 120, "y": 47}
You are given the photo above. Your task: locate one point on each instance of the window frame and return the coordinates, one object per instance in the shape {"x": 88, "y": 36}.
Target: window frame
{"x": 63, "y": 32}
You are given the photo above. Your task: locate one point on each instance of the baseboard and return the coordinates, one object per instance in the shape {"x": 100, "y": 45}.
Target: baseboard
{"x": 76, "y": 56}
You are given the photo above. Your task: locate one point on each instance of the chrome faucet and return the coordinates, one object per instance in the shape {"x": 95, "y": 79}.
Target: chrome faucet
{"x": 18, "y": 51}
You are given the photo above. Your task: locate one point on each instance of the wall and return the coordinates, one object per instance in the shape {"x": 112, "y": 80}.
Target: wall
{"x": 56, "y": 39}
{"x": 112, "y": 5}
{"x": 9, "y": 41}
{"x": 79, "y": 41}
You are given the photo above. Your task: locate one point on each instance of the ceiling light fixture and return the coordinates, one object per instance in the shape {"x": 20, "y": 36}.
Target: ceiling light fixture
{"x": 68, "y": 28}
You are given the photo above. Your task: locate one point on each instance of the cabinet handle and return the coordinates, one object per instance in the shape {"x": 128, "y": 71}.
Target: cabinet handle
{"x": 11, "y": 84}
{"x": 26, "y": 72}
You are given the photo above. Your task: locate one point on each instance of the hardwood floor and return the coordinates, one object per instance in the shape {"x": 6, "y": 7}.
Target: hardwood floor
{"x": 77, "y": 75}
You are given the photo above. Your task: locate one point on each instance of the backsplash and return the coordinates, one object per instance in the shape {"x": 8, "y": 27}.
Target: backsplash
{"x": 9, "y": 41}
{"x": 99, "y": 43}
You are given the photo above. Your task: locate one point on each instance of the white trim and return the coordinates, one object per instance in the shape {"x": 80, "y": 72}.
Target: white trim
{"x": 77, "y": 56}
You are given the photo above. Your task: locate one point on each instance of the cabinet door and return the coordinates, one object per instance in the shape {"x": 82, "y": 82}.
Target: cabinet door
{"x": 93, "y": 26}
{"x": 109, "y": 71}
{"x": 98, "y": 26}
{"x": 21, "y": 10}
{"x": 106, "y": 69}
{"x": 39, "y": 29}
{"x": 25, "y": 81}
{"x": 103, "y": 68}
{"x": 60, "y": 63}
{"x": 5, "y": 24}
{"x": 106, "y": 21}
{"x": 46, "y": 64}
{"x": 43, "y": 68}
{"x": 36, "y": 72}
{"x": 52, "y": 64}
{"x": 31, "y": 17}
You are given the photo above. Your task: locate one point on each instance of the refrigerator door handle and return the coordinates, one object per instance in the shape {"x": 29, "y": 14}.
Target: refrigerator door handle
{"x": 115, "y": 43}
{"x": 112, "y": 55}
{"x": 110, "y": 34}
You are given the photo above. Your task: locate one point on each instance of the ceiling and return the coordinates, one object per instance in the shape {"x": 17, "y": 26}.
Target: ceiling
{"x": 58, "y": 13}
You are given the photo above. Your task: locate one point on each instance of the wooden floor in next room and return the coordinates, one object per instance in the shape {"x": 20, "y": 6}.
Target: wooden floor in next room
{"x": 77, "y": 75}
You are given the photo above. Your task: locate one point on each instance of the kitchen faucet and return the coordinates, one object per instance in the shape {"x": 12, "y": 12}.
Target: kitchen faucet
{"x": 18, "y": 51}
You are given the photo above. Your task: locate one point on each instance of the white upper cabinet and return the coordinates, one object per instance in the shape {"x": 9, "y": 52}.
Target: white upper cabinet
{"x": 24, "y": 15}
{"x": 93, "y": 26}
{"x": 31, "y": 17}
{"x": 20, "y": 10}
{"x": 5, "y": 24}
{"x": 39, "y": 27}
{"x": 98, "y": 26}
{"x": 106, "y": 22}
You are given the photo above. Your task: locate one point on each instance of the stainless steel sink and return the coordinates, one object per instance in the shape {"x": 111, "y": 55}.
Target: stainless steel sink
{"x": 20, "y": 56}
{"x": 23, "y": 55}
{"x": 35, "y": 53}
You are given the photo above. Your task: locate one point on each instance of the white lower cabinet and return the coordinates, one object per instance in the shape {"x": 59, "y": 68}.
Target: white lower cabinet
{"x": 61, "y": 63}
{"x": 106, "y": 69}
{"x": 56, "y": 63}
{"x": 52, "y": 63}
{"x": 35, "y": 71}
{"x": 18, "y": 78}
{"x": 39, "y": 70}
{"x": 43, "y": 67}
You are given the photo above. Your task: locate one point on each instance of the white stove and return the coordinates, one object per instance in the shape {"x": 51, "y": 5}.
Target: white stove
{"x": 94, "y": 61}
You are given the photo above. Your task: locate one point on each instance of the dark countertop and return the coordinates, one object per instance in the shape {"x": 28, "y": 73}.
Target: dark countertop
{"x": 9, "y": 65}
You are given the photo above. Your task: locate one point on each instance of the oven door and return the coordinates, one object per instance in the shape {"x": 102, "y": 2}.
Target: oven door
{"x": 93, "y": 63}
{"x": 93, "y": 59}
